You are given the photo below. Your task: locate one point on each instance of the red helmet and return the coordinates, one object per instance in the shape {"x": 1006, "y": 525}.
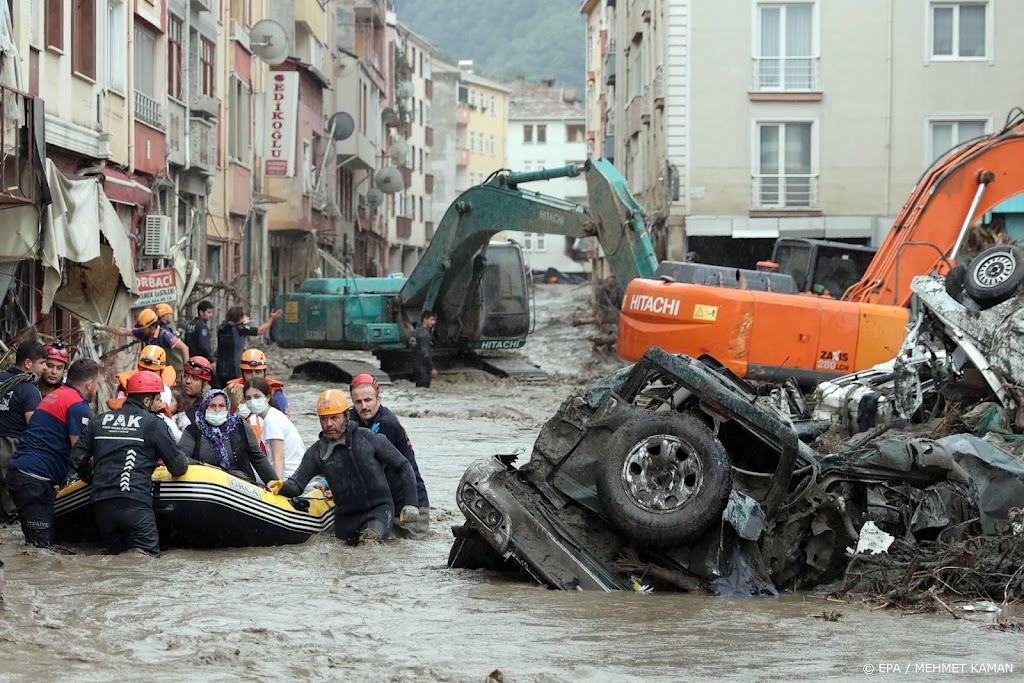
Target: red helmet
{"x": 365, "y": 378}
{"x": 58, "y": 353}
{"x": 144, "y": 382}
{"x": 199, "y": 367}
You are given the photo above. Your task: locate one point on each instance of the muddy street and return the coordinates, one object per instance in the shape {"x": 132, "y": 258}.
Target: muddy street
{"x": 396, "y": 612}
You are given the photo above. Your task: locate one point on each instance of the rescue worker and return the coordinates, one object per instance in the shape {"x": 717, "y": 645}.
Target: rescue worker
{"x": 353, "y": 460}
{"x": 195, "y": 382}
{"x": 56, "y": 362}
{"x": 197, "y": 334}
{"x": 149, "y": 331}
{"x": 230, "y": 344}
{"x": 42, "y": 462}
{"x": 254, "y": 364}
{"x": 154, "y": 359}
{"x": 19, "y": 397}
{"x": 422, "y": 350}
{"x": 368, "y": 411}
{"x": 118, "y": 454}
{"x": 165, "y": 317}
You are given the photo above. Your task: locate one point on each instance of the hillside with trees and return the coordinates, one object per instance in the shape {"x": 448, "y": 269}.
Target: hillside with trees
{"x": 530, "y": 38}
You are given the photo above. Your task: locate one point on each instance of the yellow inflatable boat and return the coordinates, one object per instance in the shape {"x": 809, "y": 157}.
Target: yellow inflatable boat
{"x": 205, "y": 508}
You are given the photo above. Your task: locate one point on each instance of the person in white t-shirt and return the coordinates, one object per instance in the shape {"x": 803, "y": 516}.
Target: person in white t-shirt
{"x": 278, "y": 436}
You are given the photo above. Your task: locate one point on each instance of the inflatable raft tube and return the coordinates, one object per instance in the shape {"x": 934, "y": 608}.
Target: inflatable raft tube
{"x": 205, "y": 508}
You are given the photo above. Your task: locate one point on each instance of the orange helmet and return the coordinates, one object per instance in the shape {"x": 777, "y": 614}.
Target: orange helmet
{"x": 162, "y": 309}
{"x": 253, "y": 359}
{"x": 332, "y": 402}
{"x": 147, "y": 318}
{"x": 153, "y": 358}
{"x": 144, "y": 382}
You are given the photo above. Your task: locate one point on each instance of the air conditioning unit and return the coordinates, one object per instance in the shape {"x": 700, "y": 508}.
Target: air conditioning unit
{"x": 158, "y": 235}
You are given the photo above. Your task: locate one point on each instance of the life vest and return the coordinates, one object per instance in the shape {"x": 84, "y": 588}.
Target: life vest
{"x": 117, "y": 402}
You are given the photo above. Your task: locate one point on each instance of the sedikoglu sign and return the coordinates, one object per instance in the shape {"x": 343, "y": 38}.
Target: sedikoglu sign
{"x": 156, "y": 287}
{"x": 281, "y": 115}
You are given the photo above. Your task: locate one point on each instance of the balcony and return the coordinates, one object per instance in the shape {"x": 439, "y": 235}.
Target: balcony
{"x": 359, "y": 146}
{"x": 311, "y": 14}
{"x": 403, "y": 227}
{"x": 609, "y": 65}
{"x": 781, "y": 192}
{"x": 785, "y": 75}
{"x": 203, "y": 143}
{"x": 202, "y": 5}
{"x": 428, "y": 135}
{"x": 429, "y": 230}
{"x": 176, "y": 118}
{"x": 428, "y": 181}
{"x": 463, "y": 114}
{"x": 204, "y": 105}
{"x": 17, "y": 141}
{"x": 147, "y": 110}
{"x": 462, "y": 157}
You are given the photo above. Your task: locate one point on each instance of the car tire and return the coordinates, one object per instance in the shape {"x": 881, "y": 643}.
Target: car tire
{"x": 955, "y": 282}
{"x": 666, "y": 480}
{"x": 995, "y": 275}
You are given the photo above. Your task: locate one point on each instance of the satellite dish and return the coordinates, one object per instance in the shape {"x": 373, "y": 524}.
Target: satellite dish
{"x": 389, "y": 180}
{"x": 399, "y": 152}
{"x": 405, "y": 89}
{"x": 269, "y": 42}
{"x": 389, "y": 116}
{"x": 375, "y": 197}
{"x": 342, "y": 125}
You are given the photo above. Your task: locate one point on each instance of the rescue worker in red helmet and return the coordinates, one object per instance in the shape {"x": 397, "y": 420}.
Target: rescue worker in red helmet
{"x": 254, "y": 364}
{"x": 369, "y": 413}
{"x": 148, "y": 330}
{"x": 118, "y": 454}
{"x": 52, "y": 376}
{"x": 195, "y": 382}
{"x": 354, "y": 461}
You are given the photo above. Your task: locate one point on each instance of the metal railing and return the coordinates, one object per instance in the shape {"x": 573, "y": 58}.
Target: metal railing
{"x": 788, "y": 191}
{"x": 786, "y": 74}
{"x": 147, "y": 109}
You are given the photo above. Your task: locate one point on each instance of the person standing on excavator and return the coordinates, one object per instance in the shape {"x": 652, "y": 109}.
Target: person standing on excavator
{"x": 422, "y": 350}
{"x": 369, "y": 413}
{"x": 254, "y": 364}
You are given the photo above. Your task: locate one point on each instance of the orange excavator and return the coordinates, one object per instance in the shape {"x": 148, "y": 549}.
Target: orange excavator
{"x": 770, "y": 334}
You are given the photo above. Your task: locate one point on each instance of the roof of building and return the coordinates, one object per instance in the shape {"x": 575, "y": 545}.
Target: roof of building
{"x": 403, "y": 28}
{"x": 530, "y": 101}
{"x": 477, "y": 79}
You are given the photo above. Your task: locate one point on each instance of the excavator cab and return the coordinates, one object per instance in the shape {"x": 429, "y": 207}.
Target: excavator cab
{"x": 822, "y": 267}
{"x": 506, "y": 297}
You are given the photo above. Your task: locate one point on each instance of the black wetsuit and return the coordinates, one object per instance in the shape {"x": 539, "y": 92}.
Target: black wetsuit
{"x": 118, "y": 453}
{"x": 355, "y": 472}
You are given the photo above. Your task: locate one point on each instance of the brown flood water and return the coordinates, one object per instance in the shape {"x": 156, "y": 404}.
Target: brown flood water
{"x": 326, "y": 611}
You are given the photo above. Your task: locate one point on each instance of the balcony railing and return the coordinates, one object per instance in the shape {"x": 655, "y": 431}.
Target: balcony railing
{"x": 786, "y": 74}
{"x": 463, "y": 114}
{"x": 463, "y": 157}
{"x": 789, "y": 191}
{"x": 147, "y": 109}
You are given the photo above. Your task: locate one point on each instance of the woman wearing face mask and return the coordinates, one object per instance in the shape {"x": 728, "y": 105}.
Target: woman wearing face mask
{"x": 224, "y": 440}
{"x": 279, "y": 436}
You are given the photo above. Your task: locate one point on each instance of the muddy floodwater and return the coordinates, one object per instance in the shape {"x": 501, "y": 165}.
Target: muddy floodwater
{"x": 326, "y": 611}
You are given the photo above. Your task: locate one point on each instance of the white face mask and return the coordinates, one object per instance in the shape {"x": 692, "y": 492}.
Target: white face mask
{"x": 216, "y": 419}
{"x": 258, "y": 405}
{"x": 244, "y": 411}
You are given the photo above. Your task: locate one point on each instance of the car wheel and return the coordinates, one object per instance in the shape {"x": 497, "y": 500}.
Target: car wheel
{"x": 666, "y": 480}
{"x": 955, "y": 282}
{"x": 995, "y": 274}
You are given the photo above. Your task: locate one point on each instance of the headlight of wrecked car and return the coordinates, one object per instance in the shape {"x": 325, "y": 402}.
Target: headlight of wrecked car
{"x": 480, "y": 507}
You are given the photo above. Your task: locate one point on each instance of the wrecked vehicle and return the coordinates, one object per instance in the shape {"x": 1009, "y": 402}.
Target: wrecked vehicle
{"x": 675, "y": 473}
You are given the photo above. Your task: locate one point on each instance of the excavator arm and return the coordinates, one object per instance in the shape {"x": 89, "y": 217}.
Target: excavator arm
{"x": 967, "y": 182}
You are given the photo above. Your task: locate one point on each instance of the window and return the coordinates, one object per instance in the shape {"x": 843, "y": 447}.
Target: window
{"x": 421, "y": 198}
{"x": 493, "y": 145}
{"x": 575, "y": 132}
{"x": 117, "y": 39}
{"x": 784, "y": 176}
{"x": 472, "y": 141}
{"x": 422, "y": 167}
{"x": 412, "y": 157}
{"x": 147, "y": 108}
{"x": 241, "y": 12}
{"x": 527, "y": 165}
{"x": 421, "y": 112}
{"x": 83, "y": 37}
{"x": 175, "y": 58}
{"x": 533, "y": 241}
{"x": 307, "y": 167}
{"x": 945, "y": 135}
{"x": 346, "y": 192}
{"x": 542, "y": 133}
{"x": 638, "y": 70}
{"x": 208, "y": 80}
{"x": 239, "y": 102}
{"x": 494, "y": 105}
{"x": 785, "y": 47}
{"x": 55, "y": 24}
{"x": 527, "y": 133}
{"x": 959, "y": 30}
{"x": 472, "y": 97}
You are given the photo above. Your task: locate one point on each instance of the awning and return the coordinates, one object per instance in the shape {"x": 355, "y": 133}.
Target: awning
{"x": 123, "y": 189}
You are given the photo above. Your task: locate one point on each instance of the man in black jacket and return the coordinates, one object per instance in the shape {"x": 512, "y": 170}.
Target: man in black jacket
{"x": 197, "y": 334}
{"x": 369, "y": 413}
{"x": 118, "y": 454}
{"x": 422, "y": 350}
{"x": 230, "y": 342}
{"x": 353, "y": 460}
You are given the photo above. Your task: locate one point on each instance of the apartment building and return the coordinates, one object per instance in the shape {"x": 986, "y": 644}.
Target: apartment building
{"x": 414, "y": 224}
{"x": 482, "y": 120}
{"x": 547, "y": 129}
{"x": 444, "y": 153}
{"x": 738, "y": 121}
